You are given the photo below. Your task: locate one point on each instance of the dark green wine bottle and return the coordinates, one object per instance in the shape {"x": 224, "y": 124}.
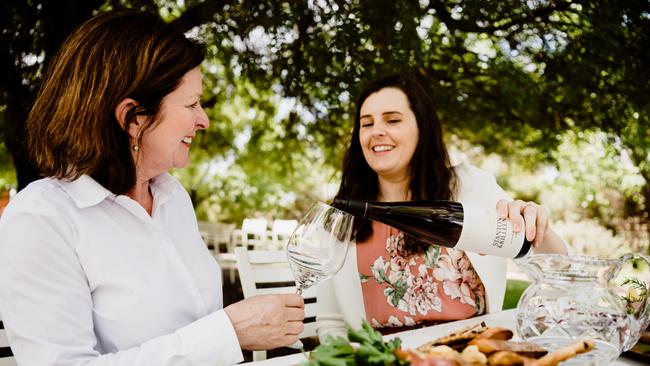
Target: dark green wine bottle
{"x": 445, "y": 223}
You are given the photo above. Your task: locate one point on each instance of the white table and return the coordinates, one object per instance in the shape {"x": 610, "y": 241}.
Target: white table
{"x": 417, "y": 337}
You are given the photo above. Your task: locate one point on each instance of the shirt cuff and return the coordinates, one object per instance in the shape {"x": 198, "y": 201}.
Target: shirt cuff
{"x": 211, "y": 340}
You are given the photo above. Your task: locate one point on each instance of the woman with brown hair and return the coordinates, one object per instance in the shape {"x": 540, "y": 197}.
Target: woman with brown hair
{"x": 101, "y": 262}
{"x": 397, "y": 153}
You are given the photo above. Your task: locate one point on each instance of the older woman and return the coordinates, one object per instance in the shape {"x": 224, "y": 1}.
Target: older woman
{"x": 101, "y": 262}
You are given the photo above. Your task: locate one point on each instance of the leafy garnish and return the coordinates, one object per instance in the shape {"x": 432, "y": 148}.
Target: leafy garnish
{"x": 636, "y": 294}
{"x": 372, "y": 350}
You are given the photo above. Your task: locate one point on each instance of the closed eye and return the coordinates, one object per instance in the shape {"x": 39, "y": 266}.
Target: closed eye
{"x": 366, "y": 124}
{"x": 394, "y": 120}
{"x": 193, "y": 105}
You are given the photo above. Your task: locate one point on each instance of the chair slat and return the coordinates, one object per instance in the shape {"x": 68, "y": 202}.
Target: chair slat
{"x": 310, "y": 309}
{"x": 4, "y": 342}
{"x": 259, "y": 270}
{"x": 309, "y": 331}
{"x": 276, "y": 290}
{"x": 6, "y": 356}
{"x": 266, "y": 275}
{"x": 267, "y": 256}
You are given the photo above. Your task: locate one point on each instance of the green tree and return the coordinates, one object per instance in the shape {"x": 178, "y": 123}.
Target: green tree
{"x": 511, "y": 76}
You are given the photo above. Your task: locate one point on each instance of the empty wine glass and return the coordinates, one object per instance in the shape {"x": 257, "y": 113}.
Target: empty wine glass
{"x": 317, "y": 247}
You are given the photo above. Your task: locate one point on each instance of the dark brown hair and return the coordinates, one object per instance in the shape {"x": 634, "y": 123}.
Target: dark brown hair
{"x": 431, "y": 177}
{"x": 72, "y": 129}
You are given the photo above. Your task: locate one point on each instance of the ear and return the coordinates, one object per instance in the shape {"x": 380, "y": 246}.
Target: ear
{"x": 121, "y": 111}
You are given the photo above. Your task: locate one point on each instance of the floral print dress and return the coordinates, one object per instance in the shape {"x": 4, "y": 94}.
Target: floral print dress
{"x": 436, "y": 286}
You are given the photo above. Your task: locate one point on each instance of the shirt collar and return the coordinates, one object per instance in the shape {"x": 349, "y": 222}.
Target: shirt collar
{"x": 86, "y": 192}
{"x": 162, "y": 187}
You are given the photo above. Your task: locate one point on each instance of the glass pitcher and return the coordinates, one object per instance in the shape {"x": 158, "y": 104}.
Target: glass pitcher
{"x": 573, "y": 297}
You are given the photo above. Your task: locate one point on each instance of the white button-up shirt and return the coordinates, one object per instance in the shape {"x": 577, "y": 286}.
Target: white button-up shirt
{"x": 89, "y": 278}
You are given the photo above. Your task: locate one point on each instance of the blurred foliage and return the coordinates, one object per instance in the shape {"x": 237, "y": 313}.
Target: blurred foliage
{"x": 557, "y": 88}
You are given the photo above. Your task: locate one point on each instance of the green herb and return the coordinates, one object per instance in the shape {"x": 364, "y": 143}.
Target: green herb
{"x": 636, "y": 294}
{"x": 372, "y": 350}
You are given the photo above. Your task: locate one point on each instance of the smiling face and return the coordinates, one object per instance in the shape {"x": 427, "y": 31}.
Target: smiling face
{"x": 166, "y": 145}
{"x": 388, "y": 133}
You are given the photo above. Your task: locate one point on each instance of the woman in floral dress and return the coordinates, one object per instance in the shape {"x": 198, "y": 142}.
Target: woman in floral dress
{"x": 397, "y": 153}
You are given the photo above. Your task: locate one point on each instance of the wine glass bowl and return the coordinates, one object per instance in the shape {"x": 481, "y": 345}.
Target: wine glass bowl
{"x": 317, "y": 248}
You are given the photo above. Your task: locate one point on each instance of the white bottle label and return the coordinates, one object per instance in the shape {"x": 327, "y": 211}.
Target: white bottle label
{"x": 484, "y": 233}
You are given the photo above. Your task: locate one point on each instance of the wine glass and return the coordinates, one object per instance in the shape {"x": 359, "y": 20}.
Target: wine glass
{"x": 317, "y": 248}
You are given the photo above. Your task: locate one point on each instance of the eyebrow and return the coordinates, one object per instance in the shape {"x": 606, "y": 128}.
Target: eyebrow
{"x": 383, "y": 114}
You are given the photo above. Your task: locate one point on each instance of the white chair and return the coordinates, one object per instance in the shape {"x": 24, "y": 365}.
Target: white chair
{"x": 267, "y": 272}
{"x": 254, "y": 233}
{"x": 6, "y": 357}
{"x": 281, "y": 231}
{"x": 216, "y": 234}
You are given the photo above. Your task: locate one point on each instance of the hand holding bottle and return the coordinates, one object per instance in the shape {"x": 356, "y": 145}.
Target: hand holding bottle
{"x": 535, "y": 221}
{"x": 530, "y": 216}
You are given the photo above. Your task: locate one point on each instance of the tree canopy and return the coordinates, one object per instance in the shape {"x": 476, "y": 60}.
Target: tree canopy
{"x": 282, "y": 76}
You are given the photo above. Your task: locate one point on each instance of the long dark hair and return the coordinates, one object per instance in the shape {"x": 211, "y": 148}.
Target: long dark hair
{"x": 431, "y": 176}
{"x": 72, "y": 128}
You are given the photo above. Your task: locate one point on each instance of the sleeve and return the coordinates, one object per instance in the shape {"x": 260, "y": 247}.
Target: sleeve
{"x": 46, "y": 305}
{"x": 329, "y": 318}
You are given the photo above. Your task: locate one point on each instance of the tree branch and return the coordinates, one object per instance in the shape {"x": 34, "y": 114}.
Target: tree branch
{"x": 470, "y": 26}
{"x": 200, "y": 13}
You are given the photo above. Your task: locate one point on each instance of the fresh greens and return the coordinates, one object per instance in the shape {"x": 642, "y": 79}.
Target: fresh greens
{"x": 372, "y": 350}
{"x": 637, "y": 292}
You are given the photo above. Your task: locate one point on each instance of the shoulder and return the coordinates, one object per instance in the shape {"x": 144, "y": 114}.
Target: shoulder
{"x": 42, "y": 212}
{"x": 476, "y": 185}
{"x": 467, "y": 173}
{"x": 41, "y": 196}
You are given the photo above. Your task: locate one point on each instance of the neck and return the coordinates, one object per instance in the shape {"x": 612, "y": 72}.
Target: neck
{"x": 391, "y": 190}
{"x": 142, "y": 195}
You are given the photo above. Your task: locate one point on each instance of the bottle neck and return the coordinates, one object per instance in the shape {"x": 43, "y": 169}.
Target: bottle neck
{"x": 355, "y": 207}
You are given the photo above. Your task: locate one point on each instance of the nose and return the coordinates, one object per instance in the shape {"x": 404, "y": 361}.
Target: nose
{"x": 202, "y": 121}
{"x": 378, "y": 129}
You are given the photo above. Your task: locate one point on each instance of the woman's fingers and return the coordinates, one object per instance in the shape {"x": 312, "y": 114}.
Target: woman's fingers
{"x": 530, "y": 218}
{"x": 502, "y": 209}
{"x": 542, "y": 225}
{"x": 514, "y": 214}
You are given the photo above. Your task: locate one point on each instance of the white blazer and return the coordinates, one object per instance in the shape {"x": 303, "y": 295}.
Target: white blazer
{"x": 340, "y": 300}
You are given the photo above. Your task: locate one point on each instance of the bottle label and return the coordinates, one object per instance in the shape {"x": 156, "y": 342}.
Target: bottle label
{"x": 484, "y": 233}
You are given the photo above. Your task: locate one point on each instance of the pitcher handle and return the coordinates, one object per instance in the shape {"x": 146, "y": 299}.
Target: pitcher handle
{"x": 638, "y": 316}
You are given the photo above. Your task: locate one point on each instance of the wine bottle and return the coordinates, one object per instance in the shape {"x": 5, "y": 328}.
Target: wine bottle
{"x": 446, "y": 223}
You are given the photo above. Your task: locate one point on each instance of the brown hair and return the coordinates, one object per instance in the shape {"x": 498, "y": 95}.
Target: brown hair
{"x": 72, "y": 129}
{"x": 431, "y": 175}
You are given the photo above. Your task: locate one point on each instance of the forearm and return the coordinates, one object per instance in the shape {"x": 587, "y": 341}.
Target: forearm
{"x": 552, "y": 243}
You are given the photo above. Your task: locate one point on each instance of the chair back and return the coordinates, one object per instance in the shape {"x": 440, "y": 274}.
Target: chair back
{"x": 281, "y": 231}
{"x": 254, "y": 233}
{"x": 6, "y": 356}
{"x": 216, "y": 234}
{"x": 267, "y": 272}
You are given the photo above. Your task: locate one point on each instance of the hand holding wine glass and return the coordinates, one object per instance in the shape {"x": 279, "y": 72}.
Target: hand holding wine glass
{"x": 317, "y": 248}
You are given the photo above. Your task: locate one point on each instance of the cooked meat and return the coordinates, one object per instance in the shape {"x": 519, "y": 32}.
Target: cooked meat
{"x": 495, "y": 333}
{"x": 456, "y": 340}
{"x": 489, "y": 346}
{"x": 565, "y": 353}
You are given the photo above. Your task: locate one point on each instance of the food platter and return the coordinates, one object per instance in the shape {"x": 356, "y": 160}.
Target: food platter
{"x": 474, "y": 345}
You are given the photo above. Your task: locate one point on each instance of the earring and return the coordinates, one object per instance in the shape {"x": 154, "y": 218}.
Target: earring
{"x": 135, "y": 147}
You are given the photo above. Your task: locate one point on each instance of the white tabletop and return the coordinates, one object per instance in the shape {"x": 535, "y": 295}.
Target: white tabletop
{"x": 417, "y": 337}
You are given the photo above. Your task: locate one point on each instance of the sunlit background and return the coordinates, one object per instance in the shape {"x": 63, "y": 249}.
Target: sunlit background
{"x": 549, "y": 96}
